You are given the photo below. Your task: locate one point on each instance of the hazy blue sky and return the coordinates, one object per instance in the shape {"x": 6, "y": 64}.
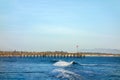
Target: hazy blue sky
{"x": 50, "y": 25}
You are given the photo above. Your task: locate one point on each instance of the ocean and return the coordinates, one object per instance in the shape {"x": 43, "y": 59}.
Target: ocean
{"x": 51, "y": 68}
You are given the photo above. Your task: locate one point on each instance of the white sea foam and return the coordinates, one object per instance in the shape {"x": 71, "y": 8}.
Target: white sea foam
{"x": 65, "y": 74}
{"x": 63, "y": 63}
{"x": 89, "y": 64}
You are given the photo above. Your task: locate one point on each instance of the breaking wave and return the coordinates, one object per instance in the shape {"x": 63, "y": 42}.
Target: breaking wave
{"x": 61, "y": 63}
{"x": 65, "y": 74}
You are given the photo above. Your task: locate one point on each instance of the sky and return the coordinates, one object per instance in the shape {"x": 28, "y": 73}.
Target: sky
{"x": 59, "y": 25}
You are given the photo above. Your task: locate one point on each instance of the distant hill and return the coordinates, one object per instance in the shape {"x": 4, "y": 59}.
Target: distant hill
{"x": 100, "y": 50}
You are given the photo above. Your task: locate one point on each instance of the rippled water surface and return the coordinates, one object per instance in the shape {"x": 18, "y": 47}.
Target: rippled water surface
{"x": 39, "y": 68}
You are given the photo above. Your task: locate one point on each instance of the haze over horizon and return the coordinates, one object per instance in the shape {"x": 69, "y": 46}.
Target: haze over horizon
{"x": 59, "y": 25}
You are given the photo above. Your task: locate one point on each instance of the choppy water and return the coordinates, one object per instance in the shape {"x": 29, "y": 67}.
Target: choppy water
{"x": 88, "y": 68}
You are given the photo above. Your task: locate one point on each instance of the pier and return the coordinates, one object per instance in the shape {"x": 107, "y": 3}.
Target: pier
{"x": 39, "y": 54}
{"x": 53, "y": 54}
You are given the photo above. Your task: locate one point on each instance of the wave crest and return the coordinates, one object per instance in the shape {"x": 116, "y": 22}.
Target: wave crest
{"x": 61, "y": 63}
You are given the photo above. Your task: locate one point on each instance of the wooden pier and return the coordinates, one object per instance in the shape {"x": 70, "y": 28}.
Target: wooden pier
{"x": 39, "y": 54}
{"x": 53, "y": 54}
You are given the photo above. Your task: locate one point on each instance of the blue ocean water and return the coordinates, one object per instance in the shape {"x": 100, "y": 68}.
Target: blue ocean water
{"x": 42, "y": 68}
